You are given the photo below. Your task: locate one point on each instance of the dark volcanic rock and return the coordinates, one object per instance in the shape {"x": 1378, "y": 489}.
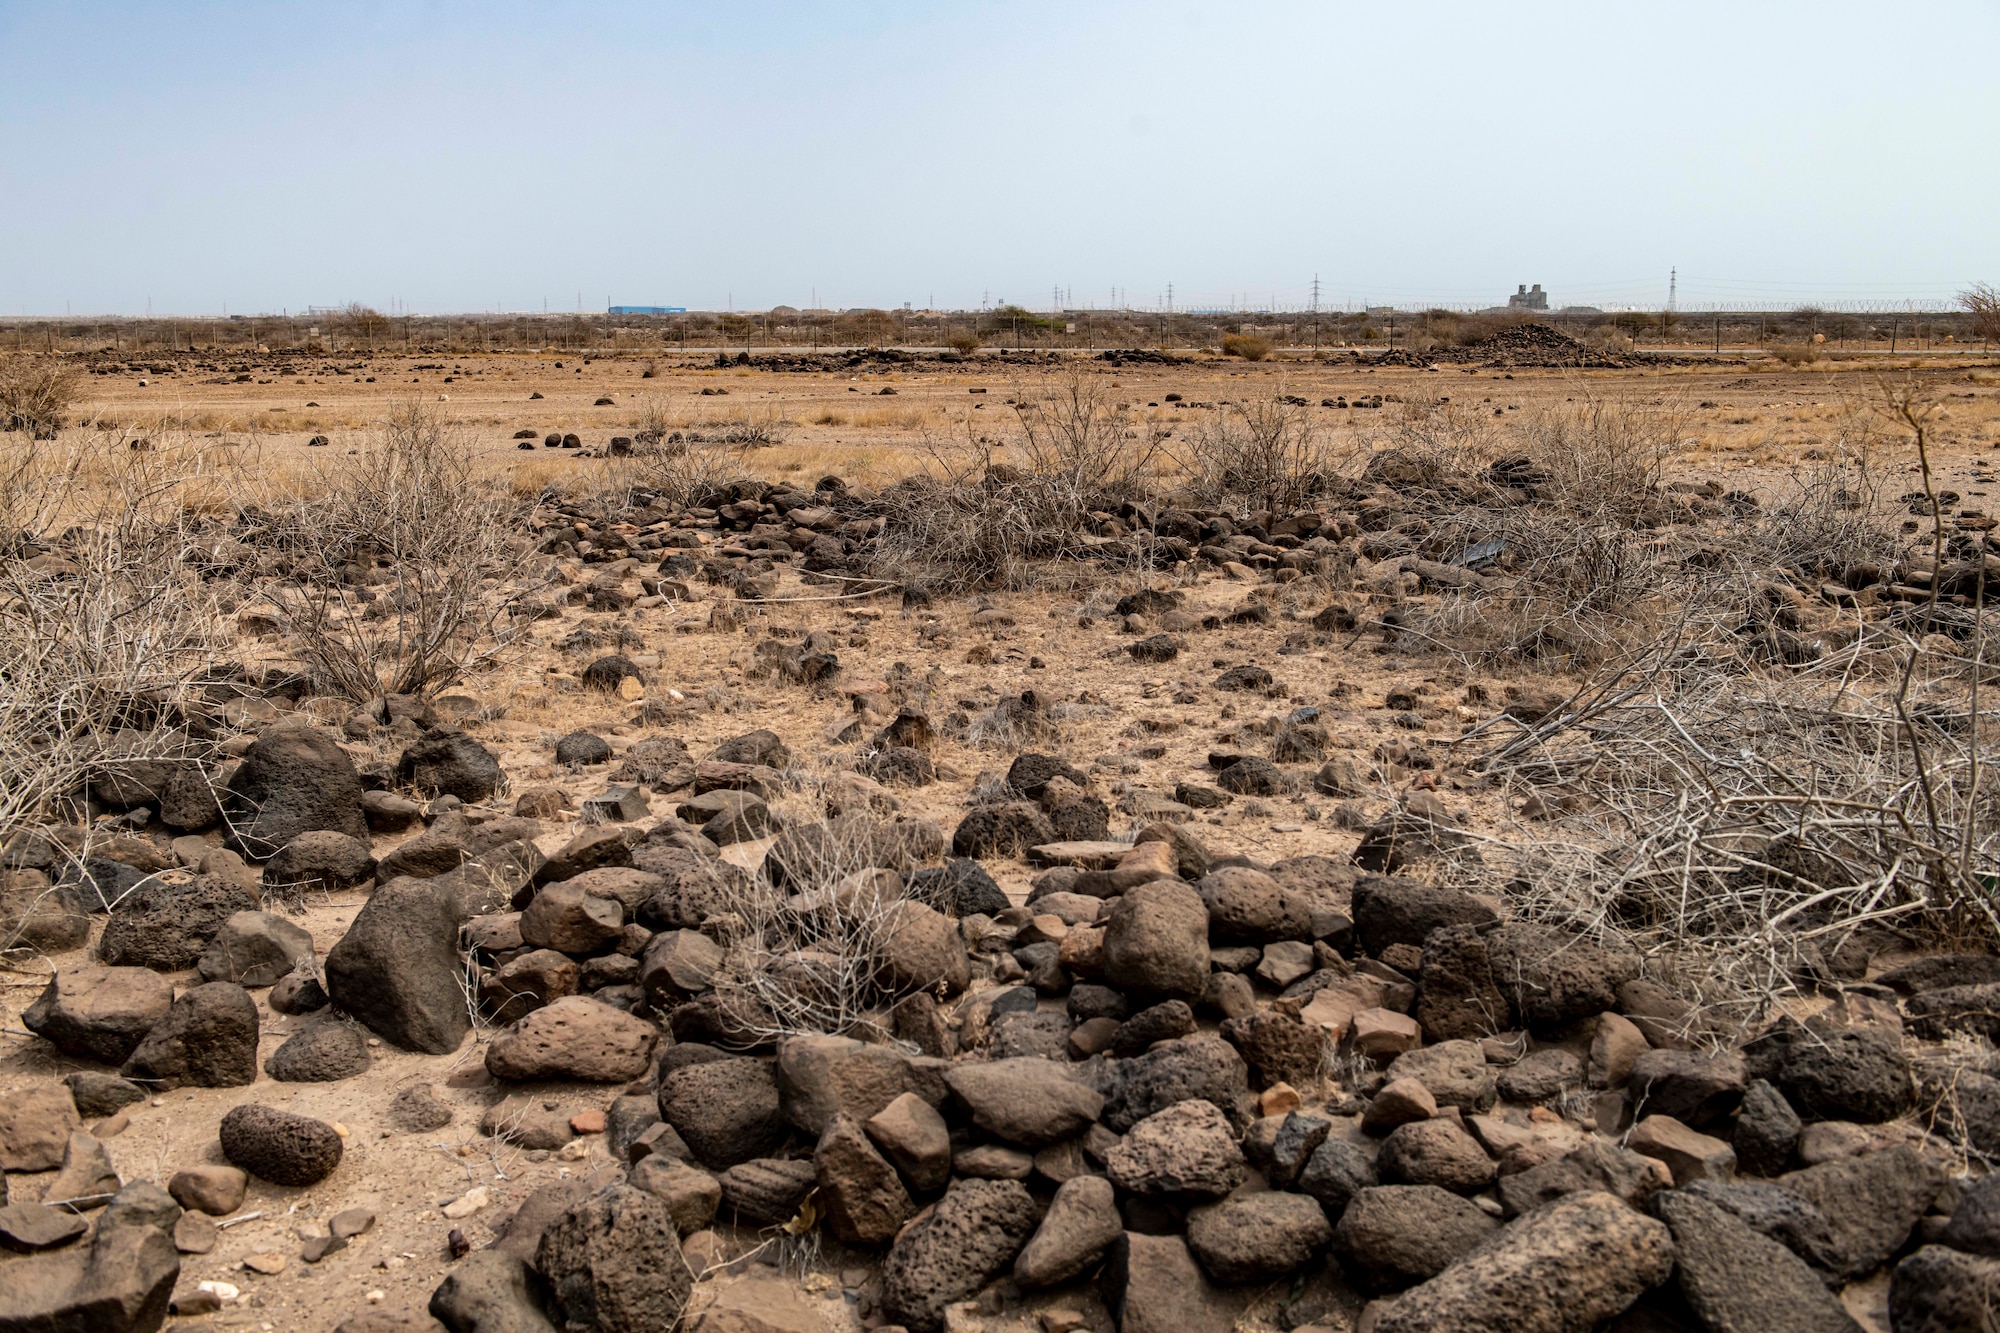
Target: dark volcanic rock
{"x": 397, "y": 968}
{"x": 99, "y": 1013}
{"x": 971, "y": 1235}
{"x": 450, "y": 763}
{"x": 1390, "y": 910}
{"x": 1201, "y": 1066}
{"x": 278, "y": 1146}
{"x": 1734, "y": 1278}
{"x": 1836, "y": 1073}
{"x": 613, "y": 1263}
{"x": 292, "y": 780}
{"x": 324, "y": 1050}
{"x": 1395, "y": 1235}
{"x": 728, "y": 1110}
{"x": 208, "y": 1039}
{"x": 165, "y": 925}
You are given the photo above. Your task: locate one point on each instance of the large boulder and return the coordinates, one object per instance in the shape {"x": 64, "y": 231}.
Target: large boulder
{"x": 1185, "y": 1149}
{"x": 574, "y": 1037}
{"x": 255, "y": 949}
{"x": 1836, "y": 1073}
{"x": 450, "y": 763}
{"x": 1156, "y": 941}
{"x": 121, "y": 1283}
{"x": 1027, "y": 1101}
{"x": 727, "y": 1110}
{"x": 168, "y": 921}
{"x": 1553, "y": 977}
{"x": 822, "y": 1077}
{"x": 293, "y": 780}
{"x": 863, "y": 1197}
{"x": 1257, "y": 1237}
{"x": 99, "y": 1013}
{"x": 1941, "y": 1290}
{"x": 1870, "y": 1202}
{"x": 208, "y": 1039}
{"x": 1393, "y": 1236}
{"x": 968, "y": 1238}
{"x": 1561, "y": 1269}
{"x": 613, "y": 1263}
{"x": 397, "y": 968}
{"x": 1153, "y": 1285}
{"x": 1201, "y": 1066}
{"x": 1389, "y": 909}
{"x": 1081, "y": 1224}
{"x": 1733, "y": 1277}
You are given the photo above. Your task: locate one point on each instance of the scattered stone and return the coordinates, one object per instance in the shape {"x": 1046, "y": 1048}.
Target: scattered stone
{"x": 491, "y": 1290}
{"x": 1435, "y": 1152}
{"x": 574, "y": 1038}
{"x": 324, "y": 861}
{"x": 1156, "y": 941}
{"x": 1734, "y": 1278}
{"x": 416, "y": 1110}
{"x": 1081, "y": 1224}
{"x": 99, "y": 1013}
{"x": 1153, "y": 1285}
{"x": 29, "y": 1227}
{"x": 1025, "y": 1101}
{"x": 1940, "y": 1290}
{"x": 1690, "y": 1155}
{"x": 215, "y": 1190}
{"x": 35, "y": 1125}
{"x": 87, "y": 1178}
{"x": 208, "y": 1039}
{"x": 766, "y": 1191}
{"x": 1870, "y": 1203}
{"x": 864, "y": 1199}
{"x": 278, "y": 1146}
{"x": 166, "y": 924}
{"x": 690, "y": 1194}
{"x": 123, "y": 1280}
{"x": 98, "y": 1095}
{"x": 728, "y": 1110}
{"x": 323, "y": 1050}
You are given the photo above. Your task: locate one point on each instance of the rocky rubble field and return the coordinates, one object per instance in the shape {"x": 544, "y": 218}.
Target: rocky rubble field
{"x": 765, "y": 1037}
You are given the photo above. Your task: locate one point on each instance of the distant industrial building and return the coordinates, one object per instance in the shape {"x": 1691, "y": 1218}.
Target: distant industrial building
{"x": 670, "y": 309}
{"x": 1528, "y": 298}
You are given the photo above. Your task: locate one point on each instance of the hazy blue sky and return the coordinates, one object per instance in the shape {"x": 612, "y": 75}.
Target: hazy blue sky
{"x": 468, "y": 156}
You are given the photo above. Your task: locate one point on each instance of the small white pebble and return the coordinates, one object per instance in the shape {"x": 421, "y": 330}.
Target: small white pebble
{"x": 377, "y": 1296}
{"x": 340, "y": 1129}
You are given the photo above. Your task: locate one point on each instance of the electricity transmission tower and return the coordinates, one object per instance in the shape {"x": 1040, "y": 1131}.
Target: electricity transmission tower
{"x": 1315, "y": 311}
{"x": 1673, "y": 288}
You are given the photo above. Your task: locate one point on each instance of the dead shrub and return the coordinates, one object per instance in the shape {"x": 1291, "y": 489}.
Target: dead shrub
{"x": 36, "y": 394}
{"x": 1248, "y": 346}
{"x": 396, "y": 558}
{"x": 1268, "y": 452}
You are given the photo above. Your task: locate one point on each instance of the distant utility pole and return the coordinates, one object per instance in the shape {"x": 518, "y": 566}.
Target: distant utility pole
{"x": 1673, "y": 288}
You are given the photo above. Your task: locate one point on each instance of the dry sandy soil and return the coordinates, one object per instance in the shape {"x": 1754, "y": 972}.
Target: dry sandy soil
{"x": 1124, "y": 723}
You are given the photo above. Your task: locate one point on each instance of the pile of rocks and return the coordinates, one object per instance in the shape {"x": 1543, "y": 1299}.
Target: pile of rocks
{"x": 1534, "y": 345}
{"x": 1178, "y": 1073}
